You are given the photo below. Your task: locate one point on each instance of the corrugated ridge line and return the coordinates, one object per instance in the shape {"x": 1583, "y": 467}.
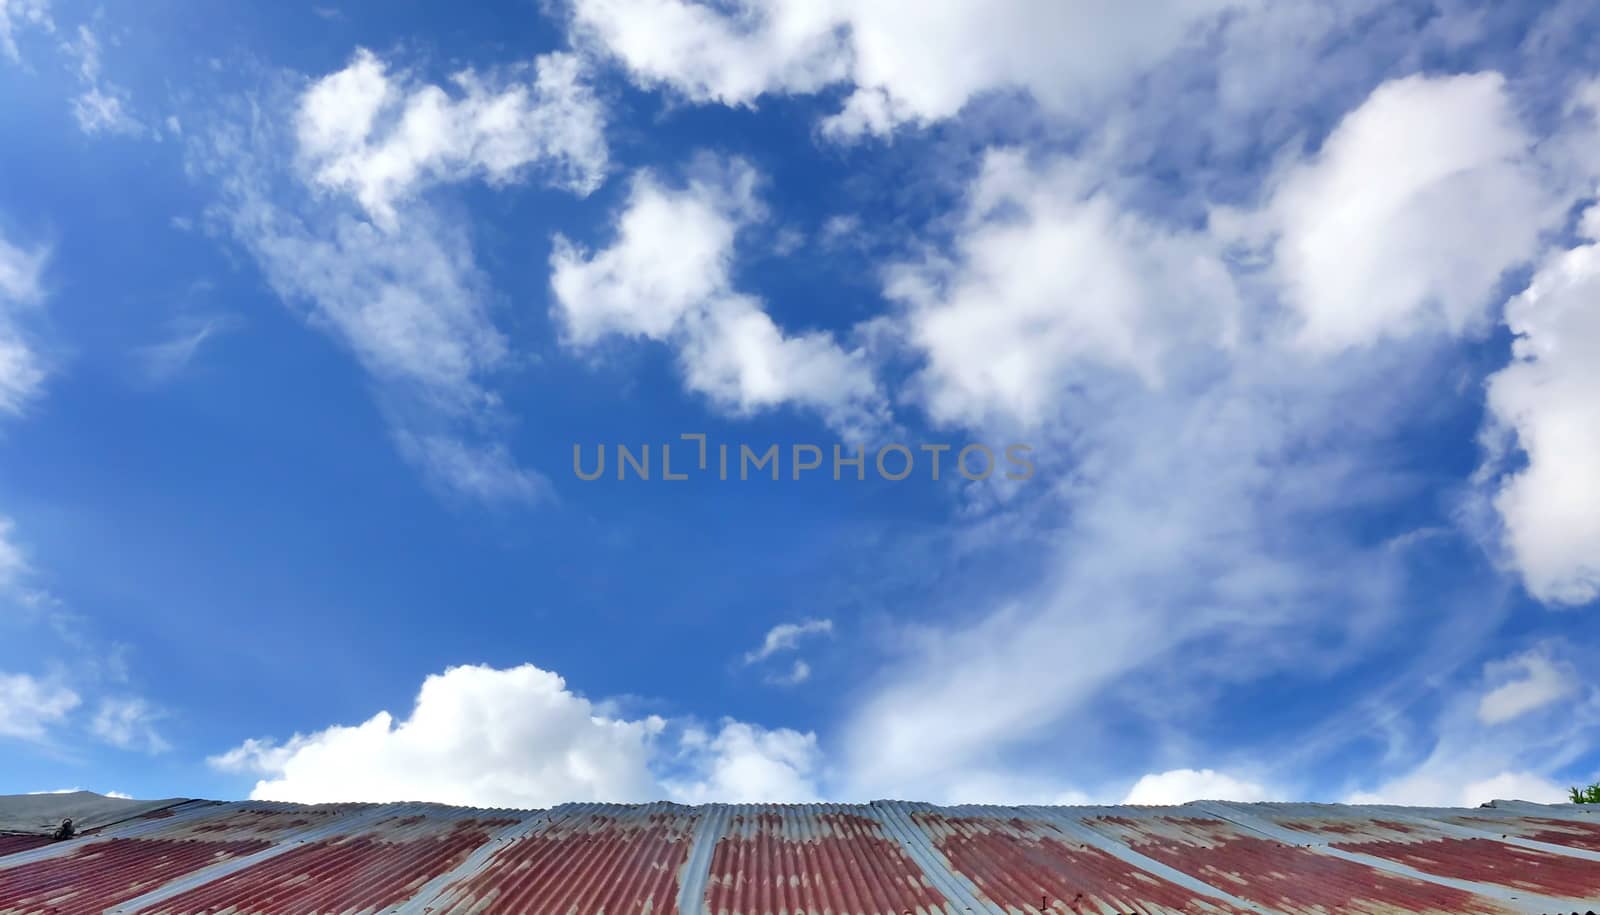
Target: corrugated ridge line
{"x": 340, "y": 823}
{"x": 1069, "y": 821}
{"x": 127, "y": 830}
{"x": 1560, "y": 811}
{"x": 1566, "y": 813}
{"x": 697, "y": 869}
{"x": 957, "y": 889}
{"x": 1528, "y": 902}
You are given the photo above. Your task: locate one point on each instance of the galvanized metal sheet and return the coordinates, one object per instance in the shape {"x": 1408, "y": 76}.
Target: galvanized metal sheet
{"x": 811, "y": 858}
{"x": 1556, "y": 827}
{"x": 885, "y": 858}
{"x": 10, "y": 844}
{"x": 584, "y": 860}
{"x": 94, "y": 873}
{"x": 1440, "y": 849}
{"x": 373, "y": 867}
{"x": 1020, "y": 862}
{"x": 1278, "y": 875}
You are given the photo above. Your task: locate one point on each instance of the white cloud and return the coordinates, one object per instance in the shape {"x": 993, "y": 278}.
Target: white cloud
{"x": 476, "y": 735}
{"x": 14, "y": 14}
{"x": 13, "y": 565}
{"x": 798, "y": 673}
{"x": 487, "y": 473}
{"x": 1050, "y": 279}
{"x": 1531, "y": 681}
{"x": 162, "y": 362}
{"x": 1545, "y": 406}
{"x": 390, "y": 276}
{"x": 129, "y": 723}
{"x": 1408, "y": 217}
{"x": 101, "y": 107}
{"x": 22, "y": 371}
{"x": 1428, "y": 789}
{"x": 29, "y": 706}
{"x": 668, "y": 277}
{"x": 382, "y": 137}
{"x": 786, "y": 637}
{"x": 519, "y": 737}
{"x": 907, "y": 61}
{"x": 408, "y": 301}
{"x": 1488, "y": 744}
{"x": 1180, "y": 786}
{"x": 746, "y": 764}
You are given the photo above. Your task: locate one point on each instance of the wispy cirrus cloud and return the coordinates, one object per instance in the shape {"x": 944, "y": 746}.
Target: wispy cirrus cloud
{"x": 16, "y": 15}
{"x": 335, "y": 215}
{"x": 22, "y": 369}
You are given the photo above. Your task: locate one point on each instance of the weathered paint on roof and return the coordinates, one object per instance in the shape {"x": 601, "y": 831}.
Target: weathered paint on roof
{"x": 884, "y": 858}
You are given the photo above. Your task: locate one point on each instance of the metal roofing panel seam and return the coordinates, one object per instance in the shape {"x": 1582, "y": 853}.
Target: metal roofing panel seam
{"x": 430, "y": 892}
{"x": 143, "y": 824}
{"x": 883, "y": 858}
{"x": 919, "y": 847}
{"x": 1528, "y": 901}
{"x": 1024, "y": 862}
{"x": 813, "y": 858}
{"x": 287, "y": 843}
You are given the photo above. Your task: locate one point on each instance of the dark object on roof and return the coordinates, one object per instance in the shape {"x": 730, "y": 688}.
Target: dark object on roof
{"x": 883, "y": 858}
{"x": 64, "y": 831}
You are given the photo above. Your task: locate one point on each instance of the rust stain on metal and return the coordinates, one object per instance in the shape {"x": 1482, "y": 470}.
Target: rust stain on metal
{"x": 1029, "y": 866}
{"x": 1570, "y": 833}
{"x": 1284, "y": 877}
{"x": 371, "y": 871}
{"x": 1492, "y": 862}
{"x": 592, "y": 865}
{"x": 107, "y": 872}
{"x": 805, "y": 862}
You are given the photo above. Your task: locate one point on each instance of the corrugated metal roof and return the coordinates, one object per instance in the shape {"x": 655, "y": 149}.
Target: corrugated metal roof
{"x": 883, "y": 858}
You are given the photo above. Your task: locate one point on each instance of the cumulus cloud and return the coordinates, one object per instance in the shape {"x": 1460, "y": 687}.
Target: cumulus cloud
{"x": 1544, "y": 426}
{"x": 476, "y": 735}
{"x": 30, "y": 707}
{"x": 1415, "y": 207}
{"x": 745, "y": 763}
{"x": 1179, "y": 786}
{"x": 1049, "y": 280}
{"x": 520, "y": 737}
{"x": 667, "y": 276}
{"x": 382, "y": 137}
{"x": 22, "y": 371}
{"x": 904, "y": 61}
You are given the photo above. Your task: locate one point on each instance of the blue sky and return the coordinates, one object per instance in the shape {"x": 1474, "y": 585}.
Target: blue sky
{"x": 303, "y": 311}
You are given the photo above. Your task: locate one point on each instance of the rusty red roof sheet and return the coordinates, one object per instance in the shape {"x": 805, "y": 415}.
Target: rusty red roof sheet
{"x": 883, "y": 858}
